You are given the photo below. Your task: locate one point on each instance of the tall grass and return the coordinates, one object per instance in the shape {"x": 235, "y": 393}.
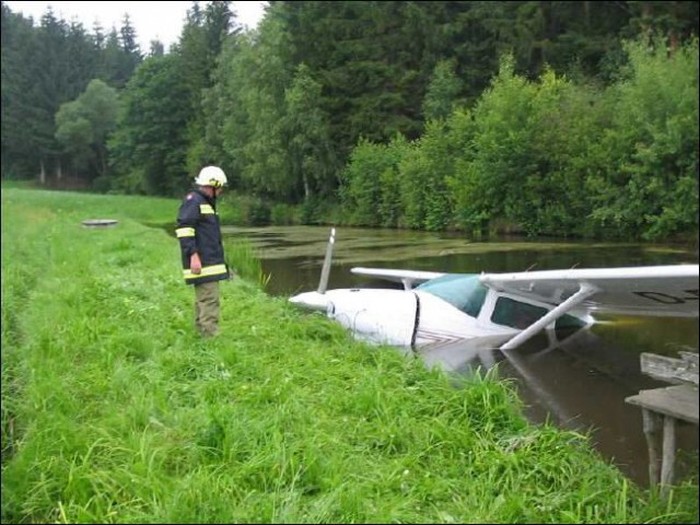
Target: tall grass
{"x": 114, "y": 411}
{"x": 243, "y": 261}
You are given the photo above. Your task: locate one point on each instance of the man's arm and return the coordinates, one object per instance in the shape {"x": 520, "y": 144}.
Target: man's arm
{"x": 187, "y": 220}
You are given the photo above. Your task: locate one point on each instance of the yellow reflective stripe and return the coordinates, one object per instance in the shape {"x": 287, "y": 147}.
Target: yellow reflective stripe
{"x": 217, "y": 269}
{"x": 206, "y": 209}
{"x": 184, "y": 232}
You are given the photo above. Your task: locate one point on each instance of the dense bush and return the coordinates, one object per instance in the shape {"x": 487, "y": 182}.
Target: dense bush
{"x": 548, "y": 156}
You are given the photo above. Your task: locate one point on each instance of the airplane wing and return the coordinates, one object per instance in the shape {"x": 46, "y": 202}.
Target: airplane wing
{"x": 647, "y": 290}
{"x": 406, "y": 277}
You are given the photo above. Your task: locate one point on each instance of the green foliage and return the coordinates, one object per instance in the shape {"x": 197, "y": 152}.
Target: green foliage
{"x": 371, "y": 202}
{"x": 390, "y": 207}
{"x": 249, "y": 210}
{"x": 150, "y": 143}
{"x": 567, "y": 139}
{"x": 258, "y": 213}
{"x": 282, "y": 215}
{"x": 392, "y": 181}
{"x": 197, "y": 50}
{"x": 521, "y": 157}
{"x": 315, "y": 210}
{"x": 82, "y": 127}
{"x": 491, "y": 184}
{"x": 253, "y": 102}
{"x": 442, "y": 92}
{"x": 424, "y": 174}
{"x": 643, "y": 174}
{"x": 117, "y": 63}
{"x": 74, "y": 132}
{"x": 518, "y": 157}
{"x": 360, "y": 190}
{"x": 45, "y": 65}
{"x": 312, "y": 161}
{"x": 560, "y": 159}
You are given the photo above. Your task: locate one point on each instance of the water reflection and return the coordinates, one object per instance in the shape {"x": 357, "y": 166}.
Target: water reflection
{"x": 578, "y": 380}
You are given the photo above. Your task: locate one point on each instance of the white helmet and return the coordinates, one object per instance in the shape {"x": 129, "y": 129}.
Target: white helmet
{"x": 211, "y": 176}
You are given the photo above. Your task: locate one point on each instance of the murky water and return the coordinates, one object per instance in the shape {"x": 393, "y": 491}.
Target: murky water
{"x": 579, "y": 382}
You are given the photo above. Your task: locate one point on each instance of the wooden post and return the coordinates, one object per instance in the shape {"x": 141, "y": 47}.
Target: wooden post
{"x": 669, "y": 458}
{"x": 673, "y": 404}
{"x": 650, "y": 425}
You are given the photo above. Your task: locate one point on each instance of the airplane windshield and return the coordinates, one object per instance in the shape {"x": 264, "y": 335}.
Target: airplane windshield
{"x": 463, "y": 291}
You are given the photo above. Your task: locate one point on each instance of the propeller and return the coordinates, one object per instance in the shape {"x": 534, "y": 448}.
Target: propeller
{"x": 318, "y": 300}
{"x": 325, "y": 270}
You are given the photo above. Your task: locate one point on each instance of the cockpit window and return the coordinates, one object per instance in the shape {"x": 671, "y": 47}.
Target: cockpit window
{"x": 509, "y": 312}
{"x": 463, "y": 291}
{"x": 516, "y": 314}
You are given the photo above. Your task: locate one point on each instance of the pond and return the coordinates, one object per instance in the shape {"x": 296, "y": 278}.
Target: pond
{"x": 580, "y": 383}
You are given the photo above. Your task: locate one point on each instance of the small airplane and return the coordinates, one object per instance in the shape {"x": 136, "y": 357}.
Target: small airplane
{"x": 505, "y": 309}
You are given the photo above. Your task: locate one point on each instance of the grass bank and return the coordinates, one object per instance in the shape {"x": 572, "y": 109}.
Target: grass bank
{"x": 113, "y": 411}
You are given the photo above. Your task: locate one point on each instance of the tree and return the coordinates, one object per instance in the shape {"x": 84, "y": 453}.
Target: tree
{"x": 18, "y": 88}
{"x": 43, "y": 67}
{"x": 148, "y": 148}
{"x": 83, "y": 127}
{"x": 49, "y": 90}
{"x": 157, "y": 49}
{"x": 368, "y": 60}
{"x": 246, "y": 112}
{"x": 129, "y": 45}
{"x": 443, "y": 91}
{"x": 120, "y": 56}
{"x": 677, "y": 21}
{"x": 643, "y": 173}
{"x": 312, "y": 159}
{"x": 199, "y": 47}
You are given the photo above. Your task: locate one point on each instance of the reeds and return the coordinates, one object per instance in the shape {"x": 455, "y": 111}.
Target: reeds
{"x": 244, "y": 262}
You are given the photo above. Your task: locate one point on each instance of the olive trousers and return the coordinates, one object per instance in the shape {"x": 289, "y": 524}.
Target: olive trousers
{"x": 206, "y": 308}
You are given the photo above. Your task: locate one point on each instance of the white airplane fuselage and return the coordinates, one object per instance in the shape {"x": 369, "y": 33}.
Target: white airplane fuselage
{"x": 415, "y": 317}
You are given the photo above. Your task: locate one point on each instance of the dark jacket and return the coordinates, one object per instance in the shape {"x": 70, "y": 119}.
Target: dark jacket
{"x": 199, "y": 232}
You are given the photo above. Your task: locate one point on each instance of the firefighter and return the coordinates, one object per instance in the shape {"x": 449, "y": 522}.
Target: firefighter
{"x": 199, "y": 233}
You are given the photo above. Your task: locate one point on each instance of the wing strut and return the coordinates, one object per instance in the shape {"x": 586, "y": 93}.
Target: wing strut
{"x": 583, "y": 293}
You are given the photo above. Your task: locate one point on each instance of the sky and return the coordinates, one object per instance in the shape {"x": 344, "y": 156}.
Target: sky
{"x": 151, "y": 20}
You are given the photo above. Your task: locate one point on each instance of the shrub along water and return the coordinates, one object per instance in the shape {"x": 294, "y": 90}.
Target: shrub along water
{"x": 114, "y": 411}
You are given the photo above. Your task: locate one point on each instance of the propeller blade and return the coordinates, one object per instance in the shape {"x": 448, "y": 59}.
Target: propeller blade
{"x": 323, "y": 282}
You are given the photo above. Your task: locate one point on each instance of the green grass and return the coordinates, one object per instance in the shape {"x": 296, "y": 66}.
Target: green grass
{"x": 113, "y": 411}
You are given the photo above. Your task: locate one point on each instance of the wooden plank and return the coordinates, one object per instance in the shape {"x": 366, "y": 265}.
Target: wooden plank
{"x": 680, "y": 401}
{"x": 672, "y": 370}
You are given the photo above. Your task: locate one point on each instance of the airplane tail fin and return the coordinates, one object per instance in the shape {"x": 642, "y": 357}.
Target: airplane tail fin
{"x": 325, "y": 270}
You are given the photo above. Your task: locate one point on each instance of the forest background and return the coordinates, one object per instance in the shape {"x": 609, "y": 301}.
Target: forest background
{"x": 574, "y": 119}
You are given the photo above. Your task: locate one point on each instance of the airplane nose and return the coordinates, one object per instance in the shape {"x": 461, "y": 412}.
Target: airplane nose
{"x": 311, "y": 300}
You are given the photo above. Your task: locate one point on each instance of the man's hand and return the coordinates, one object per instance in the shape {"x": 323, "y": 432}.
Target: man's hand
{"x": 195, "y": 264}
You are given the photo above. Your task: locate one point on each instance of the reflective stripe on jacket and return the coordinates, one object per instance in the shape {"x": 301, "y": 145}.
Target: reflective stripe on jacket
{"x": 199, "y": 232}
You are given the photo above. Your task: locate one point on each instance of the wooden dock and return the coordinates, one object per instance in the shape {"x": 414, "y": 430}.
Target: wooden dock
{"x": 664, "y": 408}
